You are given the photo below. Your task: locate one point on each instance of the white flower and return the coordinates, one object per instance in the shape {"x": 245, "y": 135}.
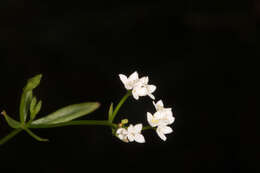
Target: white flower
{"x": 154, "y": 120}
{"x": 122, "y": 134}
{"x": 166, "y": 113}
{"x": 134, "y": 133}
{"x": 160, "y": 107}
{"x": 143, "y": 89}
{"x": 162, "y": 130}
{"x": 129, "y": 82}
{"x": 160, "y": 118}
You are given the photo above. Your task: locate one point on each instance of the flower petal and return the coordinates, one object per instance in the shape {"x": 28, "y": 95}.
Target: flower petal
{"x": 166, "y": 129}
{"x": 151, "y": 96}
{"x": 123, "y": 78}
{"x": 150, "y": 118}
{"x": 143, "y": 80}
{"x": 160, "y": 134}
{"x": 119, "y": 130}
{"x": 130, "y": 137}
{"x": 171, "y": 119}
{"x": 140, "y": 90}
{"x": 151, "y": 88}
{"x": 133, "y": 76}
{"x": 135, "y": 95}
{"x": 160, "y": 103}
{"x": 130, "y": 128}
{"x": 139, "y": 138}
{"x": 158, "y": 115}
{"x": 138, "y": 128}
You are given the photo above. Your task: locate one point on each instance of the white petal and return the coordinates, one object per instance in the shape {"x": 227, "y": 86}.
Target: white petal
{"x": 139, "y": 138}
{"x": 143, "y": 80}
{"x": 155, "y": 105}
{"x": 166, "y": 129}
{"x": 150, "y": 118}
{"x": 121, "y": 136}
{"x": 160, "y": 103}
{"x": 130, "y": 128}
{"x": 160, "y": 134}
{"x": 151, "y": 96}
{"x": 128, "y": 86}
{"x": 158, "y": 115}
{"x": 135, "y": 95}
{"x": 130, "y": 137}
{"x": 168, "y": 113}
{"x": 138, "y": 128}
{"x": 168, "y": 109}
{"x": 171, "y": 119}
{"x": 119, "y": 131}
{"x": 123, "y": 78}
{"x": 133, "y": 76}
{"x": 140, "y": 91}
{"x": 151, "y": 88}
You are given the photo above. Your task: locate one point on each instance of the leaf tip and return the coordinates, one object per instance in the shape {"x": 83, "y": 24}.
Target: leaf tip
{"x": 3, "y": 113}
{"x": 97, "y": 104}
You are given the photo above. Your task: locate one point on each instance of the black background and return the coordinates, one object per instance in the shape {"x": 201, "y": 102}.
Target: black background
{"x": 198, "y": 53}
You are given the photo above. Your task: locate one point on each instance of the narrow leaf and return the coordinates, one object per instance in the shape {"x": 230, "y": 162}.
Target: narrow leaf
{"x": 68, "y": 113}
{"x": 11, "y": 122}
{"x": 25, "y": 105}
{"x": 110, "y": 112}
{"x": 27, "y": 96}
{"x": 36, "y": 110}
{"x": 33, "y": 82}
{"x": 33, "y": 103}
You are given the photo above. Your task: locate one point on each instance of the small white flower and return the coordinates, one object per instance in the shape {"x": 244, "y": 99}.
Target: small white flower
{"x": 122, "y": 134}
{"x": 162, "y": 130}
{"x": 134, "y": 133}
{"x": 166, "y": 113}
{"x": 143, "y": 89}
{"x": 129, "y": 82}
{"x": 160, "y": 118}
{"x": 154, "y": 120}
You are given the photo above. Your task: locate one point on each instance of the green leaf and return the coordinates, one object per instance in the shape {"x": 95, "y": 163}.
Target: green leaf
{"x": 25, "y": 104}
{"x": 38, "y": 107}
{"x": 110, "y": 112}
{"x": 36, "y": 110}
{"x": 68, "y": 113}
{"x": 11, "y": 122}
{"x": 33, "y": 82}
{"x": 27, "y": 96}
{"x": 32, "y": 106}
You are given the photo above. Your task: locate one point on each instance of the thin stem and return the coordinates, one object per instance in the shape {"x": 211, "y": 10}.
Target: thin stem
{"x": 148, "y": 128}
{"x": 9, "y": 136}
{"x": 73, "y": 123}
{"x": 34, "y": 135}
{"x": 120, "y": 104}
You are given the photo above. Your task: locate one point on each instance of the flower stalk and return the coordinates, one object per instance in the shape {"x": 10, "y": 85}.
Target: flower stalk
{"x": 122, "y": 101}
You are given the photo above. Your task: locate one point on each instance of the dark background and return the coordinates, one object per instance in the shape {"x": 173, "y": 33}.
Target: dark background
{"x": 199, "y": 54}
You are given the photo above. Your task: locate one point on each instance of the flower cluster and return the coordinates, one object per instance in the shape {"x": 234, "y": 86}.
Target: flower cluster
{"x": 161, "y": 119}
{"x": 138, "y": 86}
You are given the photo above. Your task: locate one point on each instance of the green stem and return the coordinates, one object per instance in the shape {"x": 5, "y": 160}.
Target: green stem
{"x": 148, "y": 128}
{"x": 9, "y": 136}
{"x": 120, "y": 104}
{"x": 73, "y": 123}
{"x": 34, "y": 135}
